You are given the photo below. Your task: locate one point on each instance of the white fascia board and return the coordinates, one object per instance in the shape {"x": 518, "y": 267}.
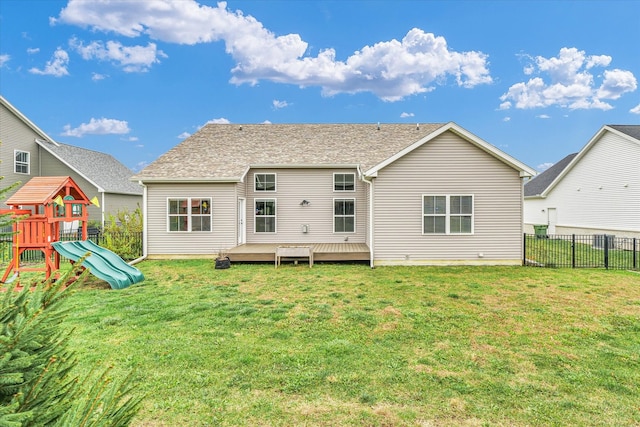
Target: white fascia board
{"x": 26, "y": 121}
{"x": 43, "y": 144}
{"x": 581, "y": 154}
{"x": 306, "y": 166}
{"x": 164, "y": 180}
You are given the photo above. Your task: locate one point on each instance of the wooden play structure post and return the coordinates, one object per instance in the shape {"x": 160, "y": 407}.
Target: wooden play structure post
{"x": 41, "y": 206}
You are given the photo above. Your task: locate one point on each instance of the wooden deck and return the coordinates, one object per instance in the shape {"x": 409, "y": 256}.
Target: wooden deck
{"x": 266, "y": 252}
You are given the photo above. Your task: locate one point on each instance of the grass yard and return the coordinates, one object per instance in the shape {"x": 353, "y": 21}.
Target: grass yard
{"x": 348, "y": 345}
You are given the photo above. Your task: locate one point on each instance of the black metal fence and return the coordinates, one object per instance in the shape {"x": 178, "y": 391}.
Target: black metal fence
{"x": 126, "y": 245}
{"x": 581, "y": 251}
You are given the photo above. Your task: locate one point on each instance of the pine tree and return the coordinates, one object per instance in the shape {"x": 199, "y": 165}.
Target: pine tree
{"x": 37, "y": 383}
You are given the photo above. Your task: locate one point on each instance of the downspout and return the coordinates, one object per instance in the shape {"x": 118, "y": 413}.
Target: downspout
{"x": 144, "y": 226}
{"x": 102, "y": 204}
{"x": 371, "y": 242}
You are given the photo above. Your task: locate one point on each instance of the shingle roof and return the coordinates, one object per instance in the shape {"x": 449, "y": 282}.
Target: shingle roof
{"x": 225, "y": 151}
{"x": 537, "y": 185}
{"x": 101, "y": 169}
{"x": 631, "y": 130}
{"x": 42, "y": 189}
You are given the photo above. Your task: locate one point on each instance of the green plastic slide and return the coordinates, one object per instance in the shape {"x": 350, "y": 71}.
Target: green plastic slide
{"x": 101, "y": 262}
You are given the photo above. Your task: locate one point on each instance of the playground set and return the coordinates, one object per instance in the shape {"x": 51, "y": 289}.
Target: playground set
{"x": 44, "y": 207}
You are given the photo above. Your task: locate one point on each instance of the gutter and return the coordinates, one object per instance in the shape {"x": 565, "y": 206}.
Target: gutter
{"x": 145, "y": 232}
{"x": 371, "y": 241}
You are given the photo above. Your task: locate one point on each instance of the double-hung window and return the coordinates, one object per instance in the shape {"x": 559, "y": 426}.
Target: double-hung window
{"x": 344, "y": 182}
{"x": 265, "y": 216}
{"x": 447, "y": 214}
{"x": 189, "y": 214}
{"x": 344, "y": 215}
{"x": 265, "y": 182}
{"x": 21, "y": 163}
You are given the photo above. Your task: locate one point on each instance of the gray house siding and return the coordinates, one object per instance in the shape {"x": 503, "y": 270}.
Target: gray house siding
{"x": 161, "y": 242}
{"x": 316, "y": 186}
{"x": 448, "y": 165}
{"x": 15, "y": 135}
{"x": 118, "y": 202}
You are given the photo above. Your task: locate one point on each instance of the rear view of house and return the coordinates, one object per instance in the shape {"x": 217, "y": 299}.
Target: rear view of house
{"x": 594, "y": 191}
{"x": 388, "y": 194}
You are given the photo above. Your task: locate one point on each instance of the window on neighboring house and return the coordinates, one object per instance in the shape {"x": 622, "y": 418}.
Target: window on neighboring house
{"x": 344, "y": 215}
{"x": 265, "y": 216}
{"x": 446, "y": 214}
{"x": 190, "y": 214}
{"x": 265, "y": 182}
{"x": 21, "y": 164}
{"x": 344, "y": 182}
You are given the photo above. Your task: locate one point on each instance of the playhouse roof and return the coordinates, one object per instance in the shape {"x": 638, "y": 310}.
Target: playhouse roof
{"x": 41, "y": 190}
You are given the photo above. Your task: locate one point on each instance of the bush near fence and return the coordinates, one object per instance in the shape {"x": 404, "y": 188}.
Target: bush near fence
{"x": 581, "y": 251}
{"x": 127, "y": 245}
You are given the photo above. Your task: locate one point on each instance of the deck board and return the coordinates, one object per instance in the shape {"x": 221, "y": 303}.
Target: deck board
{"x": 321, "y": 251}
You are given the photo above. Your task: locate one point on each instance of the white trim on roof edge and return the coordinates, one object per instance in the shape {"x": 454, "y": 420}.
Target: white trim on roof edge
{"x": 26, "y": 121}
{"x": 525, "y": 171}
{"x": 43, "y": 145}
{"x": 595, "y": 138}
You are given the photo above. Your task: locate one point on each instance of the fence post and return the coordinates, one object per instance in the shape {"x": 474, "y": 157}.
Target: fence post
{"x": 524, "y": 249}
{"x": 606, "y": 251}
{"x": 635, "y": 254}
{"x": 573, "y": 251}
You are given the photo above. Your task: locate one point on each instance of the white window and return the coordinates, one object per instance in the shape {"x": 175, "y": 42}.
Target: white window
{"x": 189, "y": 214}
{"x": 447, "y": 214}
{"x": 22, "y": 162}
{"x": 344, "y": 182}
{"x": 265, "y": 215}
{"x": 265, "y": 181}
{"x": 344, "y": 215}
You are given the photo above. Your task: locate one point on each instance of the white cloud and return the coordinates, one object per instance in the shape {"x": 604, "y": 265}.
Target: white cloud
{"x": 616, "y": 83}
{"x": 132, "y": 139}
{"x": 567, "y": 81}
{"x": 98, "y": 127}
{"x": 33, "y": 50}
{"x": 543, "y": 116}
{"x": 57, "y": 66}
{"x": 391, "y": 70}
{"x": 220, "y": 121}
{"x": 266, "y": 122}
{"x": 140, "y": 165}
{"x": 97, "y": 77}
{"x": 544, "y": 166}
{"x": 635, "y": 110}
{"x": 405, "y": 115}
{"x": 4, "y": 58}
{"x": 184, "y": 135}
{"x": 130, "y": 58}
{"x": 506, "y": 119}
{"x": 279, "y": 104}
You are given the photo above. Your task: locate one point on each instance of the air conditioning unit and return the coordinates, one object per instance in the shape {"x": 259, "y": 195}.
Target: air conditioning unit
{"x": 599, "y": 239}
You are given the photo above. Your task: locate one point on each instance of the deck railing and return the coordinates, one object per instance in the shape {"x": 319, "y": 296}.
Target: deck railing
{"x": 581, "y": 251}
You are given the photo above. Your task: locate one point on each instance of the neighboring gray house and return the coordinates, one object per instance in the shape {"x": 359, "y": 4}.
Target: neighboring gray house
{"x": 26, "y": 151}
{"x": 388, "y": 194}
{"x": 594, "y": 191}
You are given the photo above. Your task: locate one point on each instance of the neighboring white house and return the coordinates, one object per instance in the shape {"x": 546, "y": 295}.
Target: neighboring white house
{"x": 390, "y": 194}
{"x": 594, "y": 191}
{"x": 26, "y": 152}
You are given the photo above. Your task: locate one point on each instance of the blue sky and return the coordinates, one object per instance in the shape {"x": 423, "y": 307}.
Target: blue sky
{"x": 537, "y": 79}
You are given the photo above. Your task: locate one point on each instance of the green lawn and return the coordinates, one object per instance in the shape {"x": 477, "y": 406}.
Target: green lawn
{"x": 348, "y": 345}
